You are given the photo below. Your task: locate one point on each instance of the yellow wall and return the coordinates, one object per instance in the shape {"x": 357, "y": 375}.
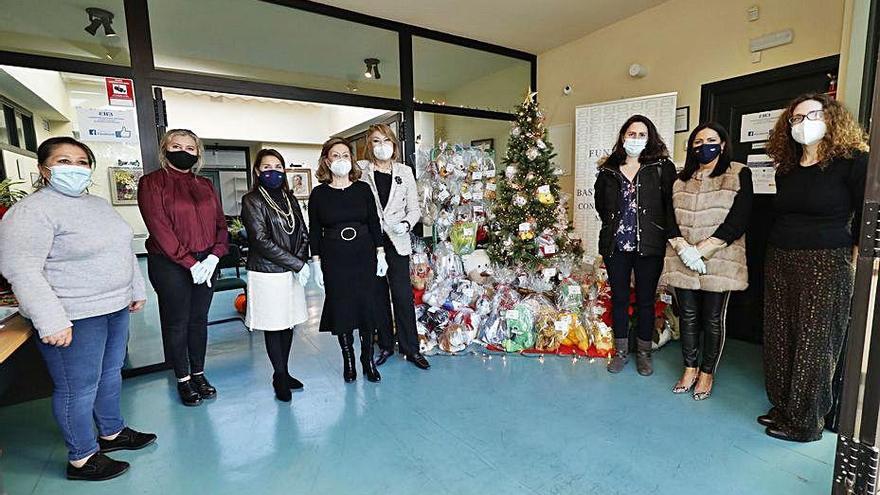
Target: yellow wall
{"x": 682, "y": 44}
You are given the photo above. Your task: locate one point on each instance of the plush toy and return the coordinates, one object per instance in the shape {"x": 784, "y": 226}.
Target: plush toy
{"x": 453, "y": 339}
{"x": 520, "y": 324}
{"x": 477, "y": 266}
{"x": 420, "y": 275}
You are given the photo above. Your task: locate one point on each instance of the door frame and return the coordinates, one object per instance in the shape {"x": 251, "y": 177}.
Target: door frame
{"x": 710, "y": 91}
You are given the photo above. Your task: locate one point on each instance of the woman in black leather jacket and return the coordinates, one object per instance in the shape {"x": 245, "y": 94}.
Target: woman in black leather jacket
{"x": 633, "y": 194}
{"x": 277, "y": 271}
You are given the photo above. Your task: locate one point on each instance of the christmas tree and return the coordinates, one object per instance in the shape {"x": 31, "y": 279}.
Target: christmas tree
{"x": 530, "y": 230}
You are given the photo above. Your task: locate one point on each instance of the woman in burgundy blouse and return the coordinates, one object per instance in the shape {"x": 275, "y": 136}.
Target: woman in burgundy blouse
{"x": 187, "y": 238}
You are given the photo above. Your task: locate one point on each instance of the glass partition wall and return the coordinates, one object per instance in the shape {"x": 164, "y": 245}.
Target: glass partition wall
{"x": 451, "y": 88}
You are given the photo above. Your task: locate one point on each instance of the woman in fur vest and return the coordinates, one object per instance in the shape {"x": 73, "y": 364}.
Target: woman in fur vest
{"x": 706, "y": 256}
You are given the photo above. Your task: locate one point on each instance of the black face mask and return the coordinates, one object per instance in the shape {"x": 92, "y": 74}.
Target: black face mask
{"x": 181, "y": 159}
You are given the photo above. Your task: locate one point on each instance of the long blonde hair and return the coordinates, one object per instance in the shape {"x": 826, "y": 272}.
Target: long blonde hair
{"x": 171, "y": 134}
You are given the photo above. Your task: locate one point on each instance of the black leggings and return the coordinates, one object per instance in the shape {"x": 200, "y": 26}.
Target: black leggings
{"x": 702, "y": 314}
{"x": 278, "y": 344}
{"x": 183, "y": 313}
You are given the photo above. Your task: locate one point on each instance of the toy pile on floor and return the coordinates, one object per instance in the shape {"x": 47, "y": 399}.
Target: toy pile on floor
{"x": 529, "y": 290}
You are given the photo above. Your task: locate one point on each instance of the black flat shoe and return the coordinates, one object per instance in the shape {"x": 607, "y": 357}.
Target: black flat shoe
{"x": 769, "y": 419}
{"x": 383, "y": 356}
{"x": 201, "y": 385}
{"x": 789, "y": 435}
{"x": 188, "y": 394}
{"x": 419, "y": 361}
{"x": 282, "y": 388}
{"x": 127, "y": 439}
{"x": 99, "y": 467}
{"x": 293, "y": 383}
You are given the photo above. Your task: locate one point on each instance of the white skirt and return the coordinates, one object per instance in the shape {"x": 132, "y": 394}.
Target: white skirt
{"x": 275, "y": 301}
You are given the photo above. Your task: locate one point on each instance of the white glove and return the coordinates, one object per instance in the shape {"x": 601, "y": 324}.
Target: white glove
{"x": 303, "y": 275}
{"x": 199, "y": 272}
{"x": 692, "y": 258}
{"x": 318, "y": 274}
{"x": 381, "y": 264}
{"x": 211, "y": 263}
{"x": 400, "y": 229}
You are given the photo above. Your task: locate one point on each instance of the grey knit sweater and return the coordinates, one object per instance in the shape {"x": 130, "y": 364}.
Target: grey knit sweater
{"x": 68, "y": 258}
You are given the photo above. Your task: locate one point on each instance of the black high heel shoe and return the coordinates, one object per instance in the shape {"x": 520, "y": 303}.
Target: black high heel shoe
{"x": 293, "y": 383}
{"x": 281, "y": 386}
{"x": 349, "y": 374}
{"x": 369, "y": 366}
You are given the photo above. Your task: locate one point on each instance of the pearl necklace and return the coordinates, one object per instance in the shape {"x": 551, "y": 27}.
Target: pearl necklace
{"x": 287, "y": 219}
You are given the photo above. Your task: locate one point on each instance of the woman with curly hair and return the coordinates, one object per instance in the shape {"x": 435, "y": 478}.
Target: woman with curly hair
{"x": 821, "y": 158}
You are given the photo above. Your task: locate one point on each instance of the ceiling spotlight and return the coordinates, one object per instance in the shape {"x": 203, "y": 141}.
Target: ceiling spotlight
{"x": 372, "y": 70}
{"x": 97, "y": 18}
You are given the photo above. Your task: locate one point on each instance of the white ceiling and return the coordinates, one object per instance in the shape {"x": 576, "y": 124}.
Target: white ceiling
{"x": 534, "y": 26}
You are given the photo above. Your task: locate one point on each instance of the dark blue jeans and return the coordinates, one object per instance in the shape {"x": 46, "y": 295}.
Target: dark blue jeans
{"x": 88, "y": 381}
{"x": 620, "y": 267}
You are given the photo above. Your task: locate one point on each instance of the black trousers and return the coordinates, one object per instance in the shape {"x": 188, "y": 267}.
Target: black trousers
{"x": 395, "y": 289}
{"x": 701, "y": 316}
{"x": 620, "y": 266}
{"x": 183, "y": 314}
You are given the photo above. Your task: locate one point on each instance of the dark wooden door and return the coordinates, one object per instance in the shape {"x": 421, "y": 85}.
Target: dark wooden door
{"x": 726, "y": 102}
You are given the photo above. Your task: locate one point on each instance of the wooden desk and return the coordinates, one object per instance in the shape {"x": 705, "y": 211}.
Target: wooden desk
{"x": 15, "y": 332}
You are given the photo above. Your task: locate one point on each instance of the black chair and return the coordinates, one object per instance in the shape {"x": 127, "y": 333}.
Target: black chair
{"x": 232, "y": 259}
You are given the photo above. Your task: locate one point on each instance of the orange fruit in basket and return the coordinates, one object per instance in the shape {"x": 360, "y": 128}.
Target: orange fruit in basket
{"x": 241, "y": 303}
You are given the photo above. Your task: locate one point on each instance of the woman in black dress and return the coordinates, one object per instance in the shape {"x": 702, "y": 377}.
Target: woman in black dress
{"x": 347, "y": 254}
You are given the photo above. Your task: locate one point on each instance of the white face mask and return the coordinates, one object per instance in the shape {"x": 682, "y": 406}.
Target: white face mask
{"x": 809, "y": 132}
{"x": 341, "y": 167}
{"x": 634, "y": 146}
{"x": 383, "y": 151}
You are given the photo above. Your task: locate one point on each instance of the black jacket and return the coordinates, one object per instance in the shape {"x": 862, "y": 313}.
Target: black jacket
{"x": 656, "y": 216}
{"x": 271, "y": 249}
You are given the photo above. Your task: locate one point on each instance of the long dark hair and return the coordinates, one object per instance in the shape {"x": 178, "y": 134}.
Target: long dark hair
{"x": 691, "y": 164}
{"x": 44, "y": 151}
{"x": 654, "y": 150}
{"x": 255, "y": 169}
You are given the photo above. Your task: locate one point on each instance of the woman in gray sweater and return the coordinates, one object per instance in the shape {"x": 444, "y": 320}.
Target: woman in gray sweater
{"x": 68, "y": 257}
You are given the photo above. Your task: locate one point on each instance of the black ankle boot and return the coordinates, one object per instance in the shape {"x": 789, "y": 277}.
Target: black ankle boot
{"x": 346, "y": 341}
{"x": 281, "y": 386}
{"x": 369, "y": 366}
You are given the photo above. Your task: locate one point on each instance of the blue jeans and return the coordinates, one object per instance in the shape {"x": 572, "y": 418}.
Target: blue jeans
{"x": 88, "y": 380}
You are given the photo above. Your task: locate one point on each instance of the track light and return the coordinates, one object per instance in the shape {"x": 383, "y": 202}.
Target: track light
{"x": 97, "y": 18}
{"x": 372, "y": 70}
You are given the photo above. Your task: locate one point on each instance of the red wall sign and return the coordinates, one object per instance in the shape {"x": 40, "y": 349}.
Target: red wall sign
{"x": 120, "y": 92}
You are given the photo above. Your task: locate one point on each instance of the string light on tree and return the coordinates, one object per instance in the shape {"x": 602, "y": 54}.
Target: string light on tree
{"x": 528, "y": 200}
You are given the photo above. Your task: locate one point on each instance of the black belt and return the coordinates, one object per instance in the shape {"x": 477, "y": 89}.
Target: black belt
{"x": 346, "y": 233}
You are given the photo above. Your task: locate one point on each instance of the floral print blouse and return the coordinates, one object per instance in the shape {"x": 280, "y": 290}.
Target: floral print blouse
{"x": 626, "y": 238}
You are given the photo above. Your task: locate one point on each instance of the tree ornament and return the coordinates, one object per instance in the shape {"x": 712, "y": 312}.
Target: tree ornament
{"x": 532, "y": 153}
{"x": 540, "y": 144}
{"x": 510, "y": 171}
{"x": 515, "y": 132}
{"x": 519, "y": 200}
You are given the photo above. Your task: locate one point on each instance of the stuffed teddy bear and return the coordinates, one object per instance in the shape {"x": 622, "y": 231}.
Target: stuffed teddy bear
{"x": 477, "y": 266}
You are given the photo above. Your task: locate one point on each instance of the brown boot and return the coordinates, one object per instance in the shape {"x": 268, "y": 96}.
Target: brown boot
{"x": 620, "y": 357}
{"x": 643, "y": 358}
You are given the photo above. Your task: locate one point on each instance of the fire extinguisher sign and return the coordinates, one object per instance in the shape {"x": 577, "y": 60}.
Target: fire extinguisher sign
{"x": 120, "y": 92}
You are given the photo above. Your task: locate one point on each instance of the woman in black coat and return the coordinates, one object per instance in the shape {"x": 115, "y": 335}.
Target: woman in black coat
{"x": 633, "y": 194}
{"x": 277, "y": 269}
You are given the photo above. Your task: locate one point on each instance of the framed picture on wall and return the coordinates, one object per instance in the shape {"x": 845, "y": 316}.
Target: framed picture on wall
{"x": 124, "y": 184}
{"x": 300, "y": 182}
{"x": 484, "y": 144}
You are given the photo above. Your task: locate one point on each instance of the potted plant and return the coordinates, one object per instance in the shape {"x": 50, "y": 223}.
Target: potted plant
{"x": 8, "y": 195}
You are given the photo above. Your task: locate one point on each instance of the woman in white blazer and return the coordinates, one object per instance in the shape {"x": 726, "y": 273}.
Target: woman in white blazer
{"x": 394, "y": 189}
